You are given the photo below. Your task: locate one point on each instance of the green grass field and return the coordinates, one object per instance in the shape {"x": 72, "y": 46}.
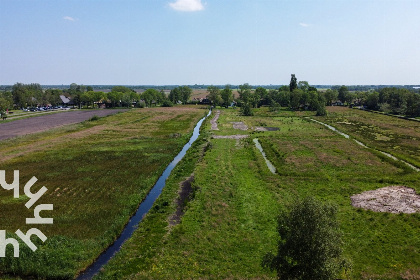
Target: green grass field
{"x": 229, "y": 220}
{"x": 230, "y": 223}
{"x": 398, "y": 137}
{"x": 96, "y": 172}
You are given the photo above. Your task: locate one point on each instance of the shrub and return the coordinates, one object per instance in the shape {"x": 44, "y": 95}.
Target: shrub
{"x": 167, "y": 103}
{"x": 246, "y": 110}
{"x": 310, "y": 242}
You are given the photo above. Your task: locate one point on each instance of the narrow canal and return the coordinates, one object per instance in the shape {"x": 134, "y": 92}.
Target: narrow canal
{"x": 269, "y": 164}
{"x": 142, "y": 210}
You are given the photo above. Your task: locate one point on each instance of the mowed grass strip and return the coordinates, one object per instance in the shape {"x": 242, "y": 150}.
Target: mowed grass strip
{"x": 396, "y": 136}
{"x": 96, "y": 173}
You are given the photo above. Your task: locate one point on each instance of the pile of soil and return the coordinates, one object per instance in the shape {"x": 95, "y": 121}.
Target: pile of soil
{"x": 393, "y": 199}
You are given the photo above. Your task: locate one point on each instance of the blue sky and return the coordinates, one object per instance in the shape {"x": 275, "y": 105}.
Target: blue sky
{"x": 160, "y": 42}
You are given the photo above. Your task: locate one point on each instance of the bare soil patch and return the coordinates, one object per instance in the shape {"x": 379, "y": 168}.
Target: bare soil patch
{"x": 236, "y": 137}
{"x": 214, "y": 121}
{"x": 185, "y": 194}
{"x": 239, "y": 125}
{"x": 264, "y": 128}
{"x": 393, "y": 199}
{"x": 46, "y": 122}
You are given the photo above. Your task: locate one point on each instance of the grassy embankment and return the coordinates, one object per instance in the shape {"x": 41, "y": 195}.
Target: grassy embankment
{"x": 230, "y": 223}
{"x": 96, "y": 172}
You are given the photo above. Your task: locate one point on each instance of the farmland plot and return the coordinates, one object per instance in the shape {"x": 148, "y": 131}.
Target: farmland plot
{"x": 96, "y": 173}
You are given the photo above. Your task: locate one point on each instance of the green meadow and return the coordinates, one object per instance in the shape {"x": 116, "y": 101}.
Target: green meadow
{"x": 229, "y": 222}
{"x": 98, "y": 171}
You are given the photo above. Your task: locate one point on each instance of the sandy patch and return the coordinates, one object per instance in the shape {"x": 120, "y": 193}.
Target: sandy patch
{"x": 214, "y": 121}
{"x": 393, "y": 199}
{"x": 239, "y": 125}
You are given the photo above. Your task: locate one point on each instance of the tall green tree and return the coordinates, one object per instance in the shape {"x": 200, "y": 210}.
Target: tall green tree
{"x": 303, "y": 85}
{"x": 98, "y": 96}
{"x": 227, "y": 96}
{"x": 4, "y": 104}
{"x": 115, "y": 98}
{"x": 342, "y": 94}
{"x": 20, "y": 95}
{"x": 295, "y": 99}
{"x": 284, "y": 97}
{"x": 310, "y": 242}
{"x": 245, "y": 95}
{"x": 149, "y": 96}
{"x": 245, "y": 92}
{"x": 372, "y": 101}
{"x": 413, "y": 105}
{"x": 260, "y": 96}
{"x": 214, "y": 95}
{"x": 293, "y": 83}
{"x": 330, "y": 96}
{"x": 181, "y": 93}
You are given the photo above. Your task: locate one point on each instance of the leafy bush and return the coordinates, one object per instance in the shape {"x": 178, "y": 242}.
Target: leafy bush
{"x": 310, "y": 242}
{"x": 167, "y": 103}
{"x": 246, "y": 110}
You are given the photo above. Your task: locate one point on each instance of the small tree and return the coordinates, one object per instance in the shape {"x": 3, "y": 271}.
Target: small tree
{"x": 309, "y": 246}
{"x": 246, "y": 109}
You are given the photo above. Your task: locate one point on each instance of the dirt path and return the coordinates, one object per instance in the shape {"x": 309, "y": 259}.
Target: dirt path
{"x": 46, "y": 122}
{"x": 214, "y": 121}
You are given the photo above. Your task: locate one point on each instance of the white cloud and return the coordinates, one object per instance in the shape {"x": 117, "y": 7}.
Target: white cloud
{"x": 187, "y": 5}
{"x": 69, "y": 18}
{"x": 304, "y": 24}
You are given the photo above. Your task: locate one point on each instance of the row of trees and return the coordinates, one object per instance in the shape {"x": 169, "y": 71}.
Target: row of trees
{"x": 400, "y": 101}
{"x": 301, "y": 96}
{"x": 32, "y": 95}
{"x": 220, "y": 97}
{"x": 296, "y": 96}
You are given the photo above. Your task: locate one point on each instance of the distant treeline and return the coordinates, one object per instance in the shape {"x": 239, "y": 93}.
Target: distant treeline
{"x": 400, "y": 100}
{"x": 302, "y": 96}
{"x": 194, "y": 87}
{"x": 21, "y": 96}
